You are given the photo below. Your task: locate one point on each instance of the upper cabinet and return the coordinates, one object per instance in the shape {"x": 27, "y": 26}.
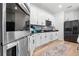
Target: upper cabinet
{"x": 39, "y": 16}
{"x": 33, "y": 15}
{"x": 71, "y": 15}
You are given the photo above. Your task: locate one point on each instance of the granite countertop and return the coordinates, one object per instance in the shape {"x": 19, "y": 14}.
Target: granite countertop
{"x": 45, "y": 32}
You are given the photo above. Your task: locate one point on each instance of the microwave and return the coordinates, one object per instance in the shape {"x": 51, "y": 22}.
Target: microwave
{"x": 17, "y": 19}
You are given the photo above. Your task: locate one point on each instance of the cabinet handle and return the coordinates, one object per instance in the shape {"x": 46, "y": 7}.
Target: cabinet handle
{"x": 33, "y": 41}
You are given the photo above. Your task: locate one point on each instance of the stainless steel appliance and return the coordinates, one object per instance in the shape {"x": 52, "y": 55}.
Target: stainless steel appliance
{"x": 14, "y": 19}
{"x": 48, "y": 23}
{"x": 1, "y": 29}
{"x": 71, "y": 30}
{"x": 16, "y": 48}
{"x": 11, "y": 49}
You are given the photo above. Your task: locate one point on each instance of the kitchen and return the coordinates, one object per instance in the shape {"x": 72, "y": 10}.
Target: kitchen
{"x": 49, "y": 27}
{"x": 39, "y": 29}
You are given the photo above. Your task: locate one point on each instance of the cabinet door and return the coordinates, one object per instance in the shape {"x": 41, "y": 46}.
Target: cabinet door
{"x": 23, "y": 46}
{"x": 46, "y": 37}
{"x": 33, "y": 16}
{"x": 39, "y": 19}
{"x": 42, "y": 39}
{"x": 43, "y": 20}
{"x": 39, "y": 22}
{"x": 55, "y": 35}
{"x": 51, "y": 36}
{"x": 32, "y": 44}
{"x": 33, "y": 20}
{"x": 37, "y": 39}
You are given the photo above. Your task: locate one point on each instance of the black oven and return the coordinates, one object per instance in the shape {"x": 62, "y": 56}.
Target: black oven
{"x": 11, "y": 51}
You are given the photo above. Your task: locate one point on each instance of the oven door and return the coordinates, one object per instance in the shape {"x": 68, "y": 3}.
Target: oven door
{"x": 11, "y": 49}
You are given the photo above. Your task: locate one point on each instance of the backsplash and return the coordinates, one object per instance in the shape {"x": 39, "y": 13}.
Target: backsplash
{"x": 40, "y": 29}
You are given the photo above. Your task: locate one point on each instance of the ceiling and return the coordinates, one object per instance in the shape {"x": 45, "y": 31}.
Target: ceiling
{"x": 53, "y": 7}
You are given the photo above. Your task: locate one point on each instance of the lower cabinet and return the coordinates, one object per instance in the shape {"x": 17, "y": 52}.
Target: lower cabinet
{"x": 23, "y": 43}
{"x": 51, "y": 36}
{"x": 31, "y": 44}
{"x": 40, "y": 39}
{"x": 47, "y": 37}
{"x": 55, "y": 35}
{"x": 43, "y": 40}
{"x": 37, "y": 40}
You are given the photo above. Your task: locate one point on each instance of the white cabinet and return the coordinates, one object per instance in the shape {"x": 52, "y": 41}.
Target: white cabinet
{"x": 42, "y": 39}
{"x": 43, "y": 22}
{"x": 47, "y": 37}
{"x": 55, "y": 35}
{"x": 72, "y": 15}
{"x": 23, "y": 43}
{"x": 31, "y": 44}
{"x": 51, "y": 36}
{"x": 39, "y": 22}
{"x": 33, "y": 19}
{"x": 37, "y": 18}
{"x": 33, "y": 16}
{"x": 37, "y": 40}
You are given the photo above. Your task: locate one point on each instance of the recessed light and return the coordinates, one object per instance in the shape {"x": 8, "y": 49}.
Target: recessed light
{"x": 60, "y": 6}
{"x": 15, "y": 8}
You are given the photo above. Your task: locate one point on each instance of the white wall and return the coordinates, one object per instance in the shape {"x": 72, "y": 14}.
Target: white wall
{"x": 59, "y": 24}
